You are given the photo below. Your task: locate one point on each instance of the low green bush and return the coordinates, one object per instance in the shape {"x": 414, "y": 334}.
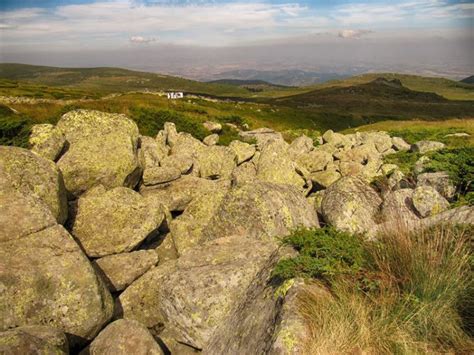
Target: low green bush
{"x": 14, "y": 128}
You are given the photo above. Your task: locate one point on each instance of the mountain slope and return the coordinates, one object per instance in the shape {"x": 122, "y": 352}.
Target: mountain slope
{"x": 468, "y": 80}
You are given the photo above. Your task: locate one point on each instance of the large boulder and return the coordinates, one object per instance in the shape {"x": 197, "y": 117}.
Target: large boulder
{"x": 261, "y": 209}
{"x": 216, "y": 162}
{"x": 428, "y": 201}
{"x": 114, "y": 221}
{"x": 440, "y": 181}
{"x": 398, "y": 207}
{"x": 261, "y": 135}
{"x": 160, "y": 175}
{"x": 423, "y": 147}
{"x": 35, "y": 176}
{"x": 300, "y": 145}
{"x": 120, "y": 270}
{"x": 151, "y": 152}
{"x": 33, "y": 340}
{"x": 47, "y": 141}
{"x": 124, "y": 337}
{"x": 194, "y": 295}
{"x": 45, "y": 278}
{"x": 400, "y": 145}
{"x": 244, "y": 173}
{"x": 243, "y": 151}
{"x": 102, "y": 150}
{"x": 314, "y": 161}
{"x": 276, "y": 166}
{"x": 351, "y": 205}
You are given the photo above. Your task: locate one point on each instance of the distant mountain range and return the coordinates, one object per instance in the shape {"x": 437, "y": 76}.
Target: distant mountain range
{"x": 468, "y": 80}
{"x": 293, "y": 77}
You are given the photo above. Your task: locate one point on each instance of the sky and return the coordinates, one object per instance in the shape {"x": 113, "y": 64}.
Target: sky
{"x": 36, "y": 29}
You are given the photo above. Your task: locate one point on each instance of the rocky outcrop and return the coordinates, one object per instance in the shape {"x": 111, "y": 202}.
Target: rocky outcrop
{"x": 428, "y": 201}
{"x": 114, "y": 221}
{"x": 102, "y": 149}
{"x": 243, "y": 151}
{"x": 33, "y": 340}
{"x": 440, "y": 181}
{"x": 124, "y": 337}
{"x": 47, "y": 141}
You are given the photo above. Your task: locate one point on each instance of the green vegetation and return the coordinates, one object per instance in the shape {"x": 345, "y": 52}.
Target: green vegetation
{"x": 323, "y": 253}
{"x": 419, "y": 298}
{"x": 14, "y": 129}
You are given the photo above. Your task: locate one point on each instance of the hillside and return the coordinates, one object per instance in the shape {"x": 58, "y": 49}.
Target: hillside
{"x": 468, "y": 80}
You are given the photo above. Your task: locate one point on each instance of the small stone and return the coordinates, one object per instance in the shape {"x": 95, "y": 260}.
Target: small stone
{"x": 213, "y": 127}
{"x": 160, "y": 175}
{"x": 212, "y": 139}
{"x": 426, "y": 146}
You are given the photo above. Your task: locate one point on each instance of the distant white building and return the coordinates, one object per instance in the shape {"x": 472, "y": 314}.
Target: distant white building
{"x": 175, "y": 95}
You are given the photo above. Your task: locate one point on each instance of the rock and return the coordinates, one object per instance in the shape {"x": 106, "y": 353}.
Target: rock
{"x": 166, "y": 250}
{"x": 457, "y": 135}
{"x": 426, "y": 146}
{"x": 314, "y": 161}
{"x": 388, "y": 169}
{"x": 301, "y": 145}
{"x": 261, "y": 135}
{"x": 395, "y": 180}
{"x": 33, "y": 175}
{"x": 315, "y": 199}
{"x": 102, "y": 150}
{"x": 428, "y": 201}
{"x": 213, "y": 127}
{"x": 244, "y": 173}
{"x": 124, "y": 337}
{"x": 47, "y": 141}
{"x": 151, "y": 152}
{"x": 212, "y": 139}
{"x": 193, "y": 295}
{"x": 57, "y": 284}
{"x": 463, "y": 215}
{"x": 120, "y": 270}
{"x": 398, "y": 207}
{"x": 335, "y": 139}
{"x": 400, "y": 145}
{"x": 183, "y": 163}
{"x": 114, "y": 221}
{"x": 177, "y": 194}
{"x": 420, "y": 165}
{"x": 160, "y": 175}
{"x": 440, "y": 181}
{"x": 170, "y": 134}
{"x": 350, "y": 205}
{"x": 187, "y": 146}
{"x": 33, "y": 340}
{"x": 216, "y": 162}
{"x": 243, "y": 151}
{"x": 381, "y": 140}
{"x": 261, "y": 209}
{"x": 325, "y": 178}
{"x": 275, "y": 165}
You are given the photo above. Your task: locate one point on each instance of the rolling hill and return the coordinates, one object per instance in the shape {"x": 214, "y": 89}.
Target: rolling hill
{"x": 468, "y": 80}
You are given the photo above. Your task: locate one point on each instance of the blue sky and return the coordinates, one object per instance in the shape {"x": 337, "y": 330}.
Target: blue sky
{"x": 116, "y": 23}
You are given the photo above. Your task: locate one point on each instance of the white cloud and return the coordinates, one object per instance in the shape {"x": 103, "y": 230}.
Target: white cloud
{"x": 353, "y": 33}
{"x": 140, "y": 39}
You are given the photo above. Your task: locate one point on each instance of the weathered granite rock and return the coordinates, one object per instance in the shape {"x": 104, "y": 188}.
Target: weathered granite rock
{"x": 212, "y": 139}
{"x": 57, "y": 284}
{"x": 335, "y": 139}
{"x": 275, "y": 165}
{"x": 244, "y": 173}
{"x": 420, "y": 164}
{"x": 183, "y": 163}
{"x": 170, "y": 134}
{"x": 166, "y": 250}
{"x": 261, "y": 209}
{"x": 102, "y": 150}
{"x": 243, "y": 151}
{"x": 120, "y": 270}
{"x": 300, "y": 145}
{"x": 325, "y": 178}
{"x": 351, "y": 205}
{"x": 398, "y": 207}
{"x": 213, "y": 127}
{"x": 440, "y": 181}
{"x": 151, "y": 152}
{"x": 46, "y": 141}
{"x": 428, "y": 201}
{"x": 114, "y": 221}
{"x": 124, "y": 337}
{"x": 177, "y": 194}
{"x": 400, "y": 144}
{"x": 33, "y": 175}
{"x": 459, "y": 215}
{"x": 186, "y": 145}
{"x": 194, "y": 295}
{"x": 261, "y": 135}
{"x": 216, "y": 162}
{"x": 160, "y": 175}
{"x": 314, "y": 161}
{"x": 426, "y": 146}
{"x": 34, "y": 339}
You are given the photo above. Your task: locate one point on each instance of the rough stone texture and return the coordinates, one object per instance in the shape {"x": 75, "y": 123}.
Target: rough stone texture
{"x": 33, "y": 175}
{"x": 398, "y": 207}
{"x": 160, "y": 175}
{"x": 114, "y": 221}
{"x": 261, "y": 209}
{"x": 420, "y": 164}
{"x": 177, "y": 194}
{"x": 335, "y": 139}
{"x": 33, "y": 340}
{"x": 213, "y": 127}
{"x": 124, "y": 337}
{"x": 166, "y": 250}
{"x": 428, "y": 201}
{"x": 243, "y": 151}
{"x": 300, "y": 145}
{"x": 194, "y": 295}
{"x": 387, "y": 169}
{"x": 275, "y": 165}
{"x": 244, "y": 173}
{"x": 212, "y": 139}
{"x": 46, "y": 279}
{"x": 186, "y": 146}
{"x": 47, "y": 141}
{"x": 216, "y": 162}
{"x": 261, "y": 135}
{"x": 350, "y": 205}
{"x": 102, "y": 150}
{"x": 120, "y": 270}
{"x": 183, "y": 163}
{"x": 459, "y": 215}
{"x": 170, "y": 134}
{"x": 325, "y": 178}
{"x": 314, "y": 161}
{"x": 400, "y": 144}
{"x": 426, "y": 146}
{"x": 151, "y": 152}
{"x": 440, "y": 181}
{"x": 381, "y": 140}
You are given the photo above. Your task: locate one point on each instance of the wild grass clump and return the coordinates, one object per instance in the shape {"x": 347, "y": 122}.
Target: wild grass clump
{"x": 423, "y": 302}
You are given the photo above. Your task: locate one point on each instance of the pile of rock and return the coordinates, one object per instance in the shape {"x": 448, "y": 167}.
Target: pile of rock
{"x": 172, "y": 240}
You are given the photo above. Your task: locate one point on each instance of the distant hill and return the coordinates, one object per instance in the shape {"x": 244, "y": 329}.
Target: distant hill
{"x": 239, "y": 82}
{"x": 468, "y": 80}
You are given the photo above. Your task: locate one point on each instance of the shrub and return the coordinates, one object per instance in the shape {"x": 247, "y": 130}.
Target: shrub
{"x": 234, "y": 119}
{"x": 323, "y": 253}
{"x": 14, "y": 128}
{"x": 227, "y": 135}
